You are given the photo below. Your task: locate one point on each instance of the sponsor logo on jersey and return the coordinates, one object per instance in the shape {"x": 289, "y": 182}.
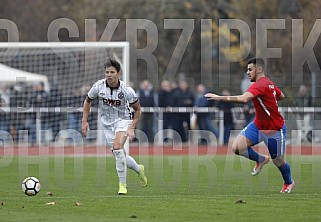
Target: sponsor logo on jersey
{"x": 112, "y": 102}
{"x": 121, "y": 95}
{"x": 271, "y": 87}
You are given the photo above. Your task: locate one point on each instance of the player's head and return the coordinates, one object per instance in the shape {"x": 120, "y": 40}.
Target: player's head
{"x": 112, "y": 72}
{"x": 255, "y": 68}
{"x": 112, "y": 63}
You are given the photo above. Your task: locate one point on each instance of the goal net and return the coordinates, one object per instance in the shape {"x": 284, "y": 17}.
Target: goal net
{"x": 43, "y": 86}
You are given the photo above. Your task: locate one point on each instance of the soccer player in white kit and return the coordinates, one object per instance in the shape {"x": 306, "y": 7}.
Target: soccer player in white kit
{"x": 120, "y": 111}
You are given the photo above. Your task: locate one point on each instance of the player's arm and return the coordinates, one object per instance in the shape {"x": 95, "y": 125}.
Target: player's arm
{"x": 280, "y": 97}
{"x": 137, "y": 113}
{"x": 244, "y": 98}
{"x": 85, "y": 113}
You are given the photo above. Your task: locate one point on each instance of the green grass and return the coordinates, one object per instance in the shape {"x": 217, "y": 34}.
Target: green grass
{"x": 189, "y": 188}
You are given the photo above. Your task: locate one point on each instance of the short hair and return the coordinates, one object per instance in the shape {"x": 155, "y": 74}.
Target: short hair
{"x": 256, "y": 61}
{"x": 112, "y": 62}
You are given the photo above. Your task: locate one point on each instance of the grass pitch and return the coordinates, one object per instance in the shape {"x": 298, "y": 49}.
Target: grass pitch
{"x": 180, "y": 188}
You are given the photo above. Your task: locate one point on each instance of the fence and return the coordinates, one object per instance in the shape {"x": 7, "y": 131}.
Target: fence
{"x": 303, "y": 120}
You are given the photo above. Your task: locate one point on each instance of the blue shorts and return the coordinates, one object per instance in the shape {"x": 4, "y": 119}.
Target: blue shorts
{"x": 274, "y": 140}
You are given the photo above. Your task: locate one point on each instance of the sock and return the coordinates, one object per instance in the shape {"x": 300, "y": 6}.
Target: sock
{"x": 253, "y": 155}
{"x": 286, "y": 173}
{"x": 121, "y": 165}
{"x": 132, "y": 164}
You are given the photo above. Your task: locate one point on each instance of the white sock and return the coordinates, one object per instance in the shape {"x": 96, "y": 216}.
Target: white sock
{"x": 132, "y": 164}
{"x": 121, "y": 165}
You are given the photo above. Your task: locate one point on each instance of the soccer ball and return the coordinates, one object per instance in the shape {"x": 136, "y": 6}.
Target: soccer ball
{"x": 31, "y": 186}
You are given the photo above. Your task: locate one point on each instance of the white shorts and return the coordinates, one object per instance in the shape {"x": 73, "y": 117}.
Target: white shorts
{"x": 111, "y": 130}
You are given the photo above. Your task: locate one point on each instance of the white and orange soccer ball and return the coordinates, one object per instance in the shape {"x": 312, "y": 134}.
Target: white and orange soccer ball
{"x": 31, "y": 186}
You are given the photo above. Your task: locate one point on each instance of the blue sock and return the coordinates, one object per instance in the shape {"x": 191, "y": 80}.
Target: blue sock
{"x": 286, "y": 173}
{"x": 253, "y": 155}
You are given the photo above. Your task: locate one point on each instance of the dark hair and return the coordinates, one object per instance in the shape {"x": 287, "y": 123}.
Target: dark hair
{"x": 256, "y": 61}
{"x": 112, "y": 62}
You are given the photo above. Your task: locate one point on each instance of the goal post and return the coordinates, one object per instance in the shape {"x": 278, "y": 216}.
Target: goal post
{"x": 9, "y": 50}
{"x": 66, "y": 70}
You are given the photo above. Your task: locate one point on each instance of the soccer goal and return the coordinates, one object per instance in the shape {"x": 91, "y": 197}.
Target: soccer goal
{"x": 43, "y": 86}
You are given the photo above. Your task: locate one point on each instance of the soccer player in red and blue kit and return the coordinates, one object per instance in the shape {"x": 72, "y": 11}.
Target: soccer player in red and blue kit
{"x": 268, "y": 125}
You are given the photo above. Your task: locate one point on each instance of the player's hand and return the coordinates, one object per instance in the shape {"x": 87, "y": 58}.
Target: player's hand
{"x": 84, "y": 128}
{"x": 131, "y": 134}
{"x": 195, "y": 109}
{"x": 211, "y": 96}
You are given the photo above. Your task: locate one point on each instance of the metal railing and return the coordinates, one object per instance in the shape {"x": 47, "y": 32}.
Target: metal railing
{"x": 159, "y": 113}
{"x": 219, "y": 117}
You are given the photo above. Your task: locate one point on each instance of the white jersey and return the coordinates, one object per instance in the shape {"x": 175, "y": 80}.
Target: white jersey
{"x": 113, "y": 102}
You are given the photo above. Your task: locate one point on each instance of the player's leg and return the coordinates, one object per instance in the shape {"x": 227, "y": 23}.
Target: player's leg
{"x": 121, "y": 162}
{"x": 132, "y": 164}
{"x": 121, "y": 168}
{"x": 138, "y": 168}
{"x": 276, "y": 146}
{"x": 242, "y": 146}
{"x": 285, "y": 169}
{"x": 121, "y": 127}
